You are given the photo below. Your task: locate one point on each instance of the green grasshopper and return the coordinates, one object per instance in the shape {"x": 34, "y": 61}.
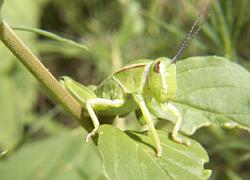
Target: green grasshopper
{"x": 134, "y": 87}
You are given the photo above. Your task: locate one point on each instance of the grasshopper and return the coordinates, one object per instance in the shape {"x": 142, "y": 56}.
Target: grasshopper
{"x": 133, "y": 88}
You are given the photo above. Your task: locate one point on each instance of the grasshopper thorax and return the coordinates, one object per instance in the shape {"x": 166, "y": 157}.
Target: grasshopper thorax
{"x": 161, "y": 80}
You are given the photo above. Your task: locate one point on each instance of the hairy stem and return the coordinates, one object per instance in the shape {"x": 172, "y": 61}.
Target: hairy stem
{"x": 33, "y": 64}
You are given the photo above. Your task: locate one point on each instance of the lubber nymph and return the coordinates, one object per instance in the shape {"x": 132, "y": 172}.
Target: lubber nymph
{"x": 134, "y": 87}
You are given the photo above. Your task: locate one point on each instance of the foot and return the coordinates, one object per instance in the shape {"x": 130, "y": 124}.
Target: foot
{"x": 181, "y": 141}
{"x": 91, "y": 134}
{"x": 159, "y": 151}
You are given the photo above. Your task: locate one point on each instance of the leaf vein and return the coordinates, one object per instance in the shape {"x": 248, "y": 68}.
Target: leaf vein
{"x": 147, "y": 153}
{"x": 181, "y": 167}
{"x": 176, "y": 150}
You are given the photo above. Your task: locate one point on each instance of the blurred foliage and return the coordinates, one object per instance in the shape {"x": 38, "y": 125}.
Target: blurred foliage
{"x": 17, "y": 87}
{"x": 59, "y": 157}
{"x": 117, "y": 31}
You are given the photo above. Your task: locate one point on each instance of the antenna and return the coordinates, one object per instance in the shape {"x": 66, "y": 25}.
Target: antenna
{"x": 199, "y": 21}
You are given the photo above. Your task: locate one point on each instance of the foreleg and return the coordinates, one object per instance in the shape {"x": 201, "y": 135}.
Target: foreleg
{"x": 147, "y": 116}
{"x": 172, "y": 109}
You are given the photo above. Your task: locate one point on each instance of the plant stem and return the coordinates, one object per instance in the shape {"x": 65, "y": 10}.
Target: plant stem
{"x": 33, "y": 64}
{"x": 52, "y": 36}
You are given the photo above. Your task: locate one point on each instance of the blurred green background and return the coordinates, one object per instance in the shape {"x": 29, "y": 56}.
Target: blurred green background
{"x": 33, "y": 130}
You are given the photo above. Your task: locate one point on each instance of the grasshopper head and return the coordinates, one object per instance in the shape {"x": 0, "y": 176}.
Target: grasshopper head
{"x": 161, "y": 81}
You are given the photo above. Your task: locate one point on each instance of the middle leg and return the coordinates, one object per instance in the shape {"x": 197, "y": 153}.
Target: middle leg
{"x": 91, "y": 104}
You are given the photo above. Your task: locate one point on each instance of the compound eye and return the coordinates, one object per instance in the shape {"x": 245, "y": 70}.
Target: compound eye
{"x": 157, "y": 67}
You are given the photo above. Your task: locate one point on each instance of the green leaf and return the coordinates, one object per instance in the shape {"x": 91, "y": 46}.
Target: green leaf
{"x": 212, "y": 91}
{"x": 131, "y": 155}
{"x": 66, "y": 156}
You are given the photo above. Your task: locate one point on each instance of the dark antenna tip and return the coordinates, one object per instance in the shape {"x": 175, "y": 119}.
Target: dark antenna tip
{"x": 200, "y": 20}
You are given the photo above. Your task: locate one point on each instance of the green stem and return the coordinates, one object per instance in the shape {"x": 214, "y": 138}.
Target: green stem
{"x": 33, "y": 64}
{"x": 52, "y": 36}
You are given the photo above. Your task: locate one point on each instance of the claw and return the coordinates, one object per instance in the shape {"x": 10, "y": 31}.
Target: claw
{"x": 181, "y": 141}
{"x": 91, "y": 134}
